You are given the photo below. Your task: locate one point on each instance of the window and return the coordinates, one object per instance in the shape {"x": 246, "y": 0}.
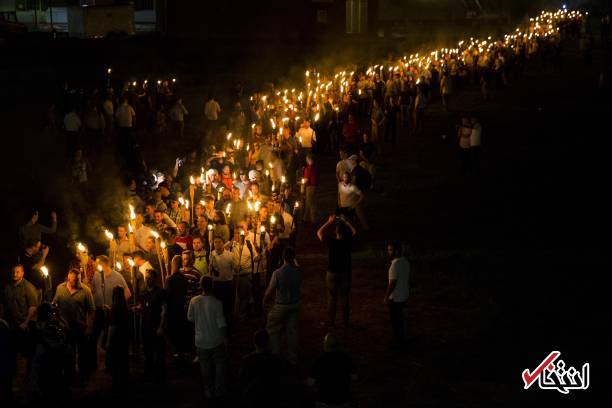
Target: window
{"x": 356, "y": 16}
{"x": 322, "y": 16}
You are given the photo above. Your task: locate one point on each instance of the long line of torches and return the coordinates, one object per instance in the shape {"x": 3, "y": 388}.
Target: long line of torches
{"x": 282, "y": 106}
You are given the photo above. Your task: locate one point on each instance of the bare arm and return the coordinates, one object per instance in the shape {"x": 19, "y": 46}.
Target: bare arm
{"x": 390, "y": 289}
{"x": 321, "y": 230}
{"x": 349, "y": 224}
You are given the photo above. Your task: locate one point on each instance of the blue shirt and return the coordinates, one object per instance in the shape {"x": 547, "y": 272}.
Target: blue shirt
{"x": 287, "y": 280}
{"x": 110, "y": 282}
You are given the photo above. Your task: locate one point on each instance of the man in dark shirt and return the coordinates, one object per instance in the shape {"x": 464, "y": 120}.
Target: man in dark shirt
{"x": 339, "y": 271}
{"x": 179, "y": 329}
{"x": 332, "y": 374}
{"x": 154, "y": 304}
{"x": 76, "y": 306}
{"x": 32, "y": 259}
{"x": 20, "y": 300}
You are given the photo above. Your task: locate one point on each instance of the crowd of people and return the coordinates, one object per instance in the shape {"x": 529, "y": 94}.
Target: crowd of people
{"x": 212, "y": 242}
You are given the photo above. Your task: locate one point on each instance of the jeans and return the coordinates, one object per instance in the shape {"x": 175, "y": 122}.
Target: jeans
{"x": 215, "y": 358}
{"x": 338, "y": 285}
{"x": 396, "y": 313}
{"x": 80, "y": 350}
{"x": 155, "y": 352}
{"x": 284, "y": 316}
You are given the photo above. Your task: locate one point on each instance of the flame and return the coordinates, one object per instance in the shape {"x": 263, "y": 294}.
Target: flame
{"x": 109, "y": 234}
{"x": 273, "y": 219}
{"x": 163, "y": 245}
{"x": 118, "y": 266}
{"x": 210, "y": 227}
{"x": 131, "y": 262}
{"x": 297, "y": 204}
{"x": 81, "y": 247}
{"x": 45, "y": 271}
{"x": 262, "y": 229}
{"x": 191, "y": 180}
{"x": 132, "y": 212}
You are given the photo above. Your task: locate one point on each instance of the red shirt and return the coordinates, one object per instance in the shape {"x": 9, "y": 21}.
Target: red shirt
{"x": 185, "y": 242}
{"x": 227, "y": 180}
{"x": 350, "y": 133}
{"x": 311, "y": 174}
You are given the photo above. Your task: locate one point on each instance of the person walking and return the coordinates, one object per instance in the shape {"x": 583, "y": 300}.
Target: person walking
{"x": 397, "y": 290}
{"x": 285, "y": 286}
{"x": 339, "y": 271}
{"x": 206, "y": 313}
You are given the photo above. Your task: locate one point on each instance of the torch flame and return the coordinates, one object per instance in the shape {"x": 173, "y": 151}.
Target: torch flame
{"x": 45, "y": 271}
{"x": 109, "y": 234}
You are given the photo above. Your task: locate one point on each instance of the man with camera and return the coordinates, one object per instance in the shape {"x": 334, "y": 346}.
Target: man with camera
{"x": 339, "y": 271}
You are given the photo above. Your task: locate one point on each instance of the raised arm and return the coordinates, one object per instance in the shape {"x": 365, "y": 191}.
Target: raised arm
{"x": 323, "y": 227}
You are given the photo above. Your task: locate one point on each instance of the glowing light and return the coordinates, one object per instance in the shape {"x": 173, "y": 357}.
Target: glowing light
{"x": 109, "y": 235}
{"x": 81, "y": 247}
{"x": 131, "y": 262}
{"x": 45, "y": 271}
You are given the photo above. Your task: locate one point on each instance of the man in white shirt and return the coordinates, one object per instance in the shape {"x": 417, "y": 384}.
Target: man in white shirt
{"x": 260, "y": 264}
{"x": 349, "y": 196}
{"x": 141, "y": 232}
{"x": 397, "y": 289}
{"x": 206, "y": 312}
{"x": 244, "y": 253}
{"x": 177, "y": 115}
{"x": 125, "y": 116}
{"x": 72, "y": 127}
{"x": 306, "y": 136}
{"x": 211, "y": 112}
{"x": 222, "y": 267}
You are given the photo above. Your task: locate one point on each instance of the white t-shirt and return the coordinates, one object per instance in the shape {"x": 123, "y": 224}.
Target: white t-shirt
{"x": 399, "y": 271}
{"x": 206, "y": 312}
{"x": 288, "y": 221}
{"x": 108, "y": 107}
{"x": 212, "y": 110}
{"x": 125, "y": 116}
{"x": 308, "y": 136}
{"x": 72, "y": 122}
{"x": 348, "y": 195}
{"x": 223, "y": 264}
{"x": 476, "y": 134}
